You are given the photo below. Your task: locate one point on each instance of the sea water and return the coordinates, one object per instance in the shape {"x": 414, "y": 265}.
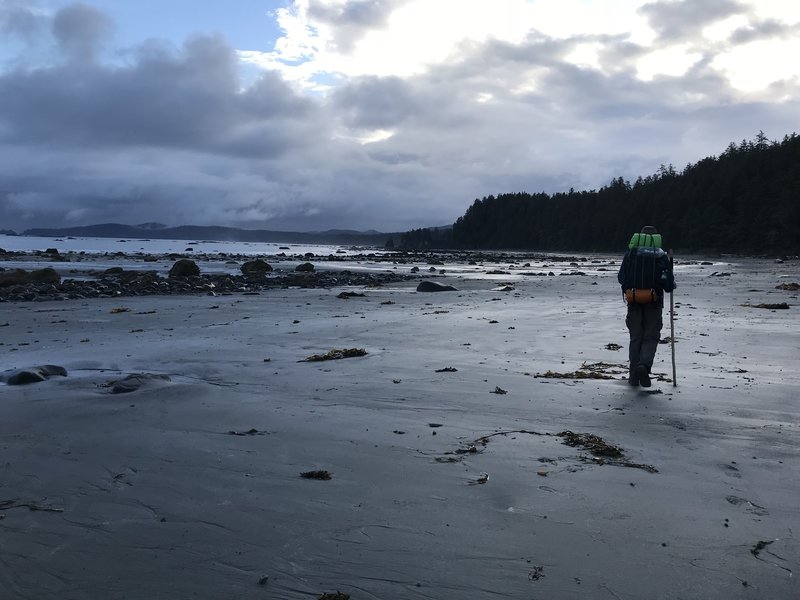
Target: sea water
{"x": 96, "y": 245}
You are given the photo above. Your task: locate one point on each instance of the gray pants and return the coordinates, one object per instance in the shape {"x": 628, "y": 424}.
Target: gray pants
{"x": 644, "y": 324}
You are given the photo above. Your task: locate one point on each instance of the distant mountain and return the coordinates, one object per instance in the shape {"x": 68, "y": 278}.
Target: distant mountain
{"x": 151, "y": 226}
{"x": 7, "y": 232}
{"x": 218, "y": 233}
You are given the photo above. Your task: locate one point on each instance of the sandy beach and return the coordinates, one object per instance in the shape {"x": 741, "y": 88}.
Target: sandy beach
{"x": 445, "y": 443}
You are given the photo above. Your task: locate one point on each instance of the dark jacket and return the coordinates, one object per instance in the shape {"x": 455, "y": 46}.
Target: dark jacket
{"x": 663, "y": 279}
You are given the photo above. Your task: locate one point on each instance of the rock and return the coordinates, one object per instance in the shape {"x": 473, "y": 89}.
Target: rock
{"x": 184, "y": 268}
{"x": 21, "y": 277}
{"x": 255, "y": 267}
{"x": 306, "y": 267}
{"x": 13, "y": 277}
{"x": 113, "y": 271}
{"x": 46, "y": 275}
{"x": 35, "y": 374}
{"x": 134, "y": 381}
{"x": 430, "y": 286}
{"x": 51, "y": 251}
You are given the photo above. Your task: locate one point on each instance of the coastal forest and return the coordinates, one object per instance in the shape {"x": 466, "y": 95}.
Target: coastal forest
{"x": 744, "y": 201}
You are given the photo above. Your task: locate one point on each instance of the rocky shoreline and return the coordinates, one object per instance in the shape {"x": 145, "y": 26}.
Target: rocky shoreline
{"x": 19, "y": 285}
{"x": 148, "y": 283}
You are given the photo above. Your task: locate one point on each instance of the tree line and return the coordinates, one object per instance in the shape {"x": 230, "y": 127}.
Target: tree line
{"x": 744, "y": 201}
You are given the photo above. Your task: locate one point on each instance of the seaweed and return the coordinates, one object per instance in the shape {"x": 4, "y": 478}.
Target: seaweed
{"x": 335, "y": 354}
{"x": 321, "y": 475}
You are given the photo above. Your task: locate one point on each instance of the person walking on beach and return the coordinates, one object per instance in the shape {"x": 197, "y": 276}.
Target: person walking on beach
{"x": 645, "y": 274}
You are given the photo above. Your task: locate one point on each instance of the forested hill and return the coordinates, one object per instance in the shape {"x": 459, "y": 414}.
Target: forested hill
{"x": 745, "y": 201}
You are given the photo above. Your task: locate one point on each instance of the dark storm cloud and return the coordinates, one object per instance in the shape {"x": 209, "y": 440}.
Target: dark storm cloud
{"x": 351, "y": 20}
{"x": 174, "y": 134}
{"x": 81, "y": 30}
{"x": 185, "y": 99}
{"x": 17, "y": 18}
{"x": 376, "y": 102}
{"x": 686, "y": 18}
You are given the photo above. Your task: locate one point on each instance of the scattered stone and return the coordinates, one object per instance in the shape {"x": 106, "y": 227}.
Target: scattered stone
{"x": 346, "y": 295}
{"x": 430, "y": 286}
{"x": 536, "y": 574}
{"x": 446, "y": 370}
{"x": 305, "y": 267}
{"x": 336, "y": 354}
{"x": 482, "y": 478}
{"x": 321, "y": 475}
{"x": 34, "y": 374}
{"x": 498, "y": 390}
{"x": 16, "y": 288}
{"x": 115, "y": 311}
{"x": 613, "y": 346}
{"x": 789, "y": 287}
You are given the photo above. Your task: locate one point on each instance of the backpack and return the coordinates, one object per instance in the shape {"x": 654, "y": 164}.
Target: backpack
{"x": 644, "y": 267}
{"x": 643, "y": 273}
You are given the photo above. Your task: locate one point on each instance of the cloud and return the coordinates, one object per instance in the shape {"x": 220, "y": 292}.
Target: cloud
{"x": 80, "y": 30}
{"x": 349, "y": 20}
{"x": 21, "y": 19}
{"x": 682, "y": 19}
{"x": 172, "y": 131}
{"x": 186, "y": 99}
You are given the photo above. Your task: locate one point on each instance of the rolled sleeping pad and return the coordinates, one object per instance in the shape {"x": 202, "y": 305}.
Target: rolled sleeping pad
{"x": 645, "y": 240}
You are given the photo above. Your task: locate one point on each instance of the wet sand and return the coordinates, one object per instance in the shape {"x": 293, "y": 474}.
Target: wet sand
{"x": 448, "y": 476}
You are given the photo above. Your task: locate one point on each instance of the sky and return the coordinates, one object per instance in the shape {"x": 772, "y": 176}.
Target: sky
{"x": 385, "y": 115}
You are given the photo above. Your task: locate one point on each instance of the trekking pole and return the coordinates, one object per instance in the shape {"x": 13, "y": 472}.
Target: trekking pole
{"x": 672, "y": 324}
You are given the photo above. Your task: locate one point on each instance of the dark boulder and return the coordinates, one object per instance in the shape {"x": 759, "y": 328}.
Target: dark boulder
{"x": 430, "y": 286}
{"x": 13, "y": 277}
{"x": 255, "y": 267}
{"x": 21, "y": 277}
{"x": 306, "y": 267}
{"x": 184, "y": 268}
{"x": 46, "y": 275}
{"x": 35, "y": 374}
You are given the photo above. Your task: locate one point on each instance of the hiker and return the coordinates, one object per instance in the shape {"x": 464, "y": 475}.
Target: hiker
{"x": 645, "y": 274}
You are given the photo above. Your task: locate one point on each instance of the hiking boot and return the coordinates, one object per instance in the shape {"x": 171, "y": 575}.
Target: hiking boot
{"x": 644, "y": 375}
{"x": 633, "y": 378}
